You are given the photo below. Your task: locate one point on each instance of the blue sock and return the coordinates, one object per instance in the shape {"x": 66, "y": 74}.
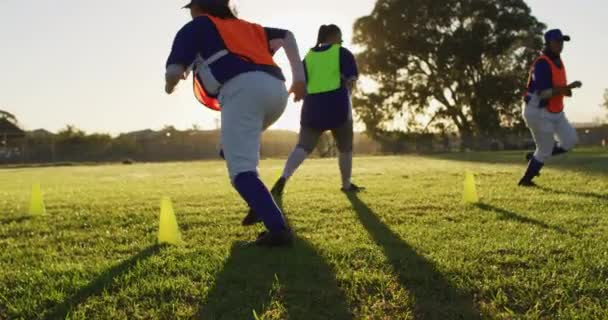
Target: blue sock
{"x": 533, "y": 170}
{"x": 257, "y": 196}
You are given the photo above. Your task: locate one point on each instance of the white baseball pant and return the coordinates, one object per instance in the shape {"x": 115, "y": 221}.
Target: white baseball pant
{"x": 546, "y": 127}
{"x": 251, "y": 102}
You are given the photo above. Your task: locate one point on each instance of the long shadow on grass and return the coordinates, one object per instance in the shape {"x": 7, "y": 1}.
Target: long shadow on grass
{"x": 435, "y": 297}
{"x": 294, "y": 283}
{"x": 602, "y": 197}
{"x": 506, "y": 214}
{"x": 101, "y": 283}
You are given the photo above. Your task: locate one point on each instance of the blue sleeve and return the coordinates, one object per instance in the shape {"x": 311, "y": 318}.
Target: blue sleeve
{"x": 542, "y": 76}
{"x": 189, "y": 42}
{"x": 348, "y": 64}
{"x": 274, "y": 33}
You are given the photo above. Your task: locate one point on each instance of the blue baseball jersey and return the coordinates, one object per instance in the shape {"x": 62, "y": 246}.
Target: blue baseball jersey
{"x": 542, "y": 78}
{"x": 330, "y": 110}
{"x": 201, "y": 37}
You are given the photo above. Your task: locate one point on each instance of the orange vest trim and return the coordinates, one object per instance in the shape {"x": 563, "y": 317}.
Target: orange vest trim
{"x": 244, "y": 39}
{"x": 555, "y": 104}
{"x": 204, "y": 98}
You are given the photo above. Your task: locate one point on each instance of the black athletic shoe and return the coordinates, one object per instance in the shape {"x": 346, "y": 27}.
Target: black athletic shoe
{"x": 526, "y": 183}
{"x": 353, "y": 188}
{"x": 251, "y": 219}
{"x": 279, "y": 187}
{"x": 275, "y": 239}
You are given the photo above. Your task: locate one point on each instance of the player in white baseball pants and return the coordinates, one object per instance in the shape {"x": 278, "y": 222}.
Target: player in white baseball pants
{"x": 234, "y": 72}
{"x": 544, "y": 110}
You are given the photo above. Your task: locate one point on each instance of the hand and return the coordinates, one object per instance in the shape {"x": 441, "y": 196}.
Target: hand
{"x": 575, "y": 85}
{"x": 169, "y": 88}
{"x": 173, "y": 75}
{"x": 298, "y": 89}
{"x": 562, "y": 91}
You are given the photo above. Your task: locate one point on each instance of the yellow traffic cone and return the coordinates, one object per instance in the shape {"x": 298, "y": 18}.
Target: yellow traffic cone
{"x": 168, "y": 230}
{"x": 469, "y": 195}
{"x": 36, "y": 202}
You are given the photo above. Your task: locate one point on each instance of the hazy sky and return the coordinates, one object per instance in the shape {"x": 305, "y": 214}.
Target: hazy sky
{"x": 100, "y": 64}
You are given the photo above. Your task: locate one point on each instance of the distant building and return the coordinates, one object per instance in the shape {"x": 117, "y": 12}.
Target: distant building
{"x": 40, "y": 133}
{"x": 590, "y": 134}
{"x": 11, "y": 139}
{"x": 142, "y": 137}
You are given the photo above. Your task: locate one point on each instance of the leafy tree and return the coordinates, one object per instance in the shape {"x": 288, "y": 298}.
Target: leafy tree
{"x": 436, "y": 64}
{"x": 73, "y": 144}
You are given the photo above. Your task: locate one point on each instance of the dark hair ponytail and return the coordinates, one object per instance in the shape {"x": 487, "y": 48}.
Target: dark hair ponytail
{"x": 326, "y": 31}
{"x": 219, "y": 10}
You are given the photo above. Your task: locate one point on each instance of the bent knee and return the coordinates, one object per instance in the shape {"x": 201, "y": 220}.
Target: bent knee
{"x": 570, "y": 143}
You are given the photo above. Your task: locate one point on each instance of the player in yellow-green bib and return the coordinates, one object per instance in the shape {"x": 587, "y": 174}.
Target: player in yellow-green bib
{"x": 331, "y": 73}
{"x": 323, "y": 70}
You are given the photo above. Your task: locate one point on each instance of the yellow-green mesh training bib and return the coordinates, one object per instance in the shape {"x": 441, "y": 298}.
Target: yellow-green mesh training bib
{"x": 323, "y": 70}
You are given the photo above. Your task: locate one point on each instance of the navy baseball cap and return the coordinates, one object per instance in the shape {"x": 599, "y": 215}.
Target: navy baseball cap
{"x": 556, "y": 35}
{"x": 206, "y": 2}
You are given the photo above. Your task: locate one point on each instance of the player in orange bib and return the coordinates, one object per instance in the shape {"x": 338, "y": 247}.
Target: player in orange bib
{"x": 234, "y": 71}
{"x": 544, "y": 112}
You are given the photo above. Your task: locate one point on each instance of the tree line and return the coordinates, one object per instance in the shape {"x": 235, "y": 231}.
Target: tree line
{"x": 168, "y": 144}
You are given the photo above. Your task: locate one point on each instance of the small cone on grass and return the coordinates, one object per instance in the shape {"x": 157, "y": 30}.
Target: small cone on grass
{"x": 168, "y": 230}
{"x": 36, "y": 202}
{"x": 469, "y": 195}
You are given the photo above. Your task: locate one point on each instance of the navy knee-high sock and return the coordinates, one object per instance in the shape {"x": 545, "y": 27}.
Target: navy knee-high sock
{"x": 257, "y": 196}
{"x": 533, "y": 170}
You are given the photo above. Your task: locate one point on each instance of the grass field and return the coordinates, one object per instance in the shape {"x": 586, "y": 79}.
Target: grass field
{"x": 404, "y": 249}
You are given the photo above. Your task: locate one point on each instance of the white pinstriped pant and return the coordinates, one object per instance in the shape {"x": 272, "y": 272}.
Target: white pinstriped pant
{"x": 251, "y": 102}
{"x": 546, "y": 127}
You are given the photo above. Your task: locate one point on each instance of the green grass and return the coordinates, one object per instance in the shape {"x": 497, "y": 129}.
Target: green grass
{"x": 405, "y": 249}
